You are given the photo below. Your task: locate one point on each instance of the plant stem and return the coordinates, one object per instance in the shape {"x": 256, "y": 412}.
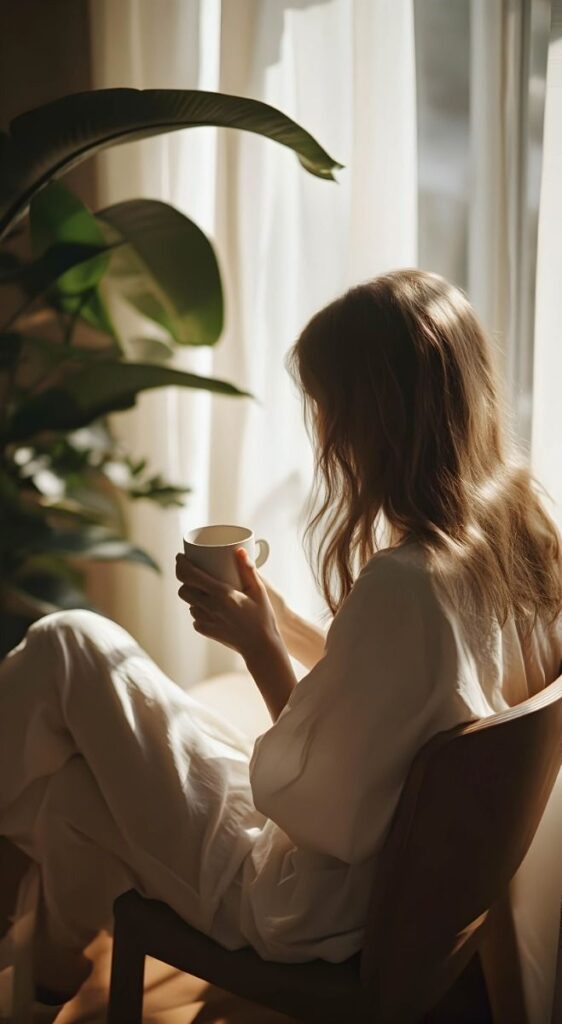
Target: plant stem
{"x": 73, "y": 318}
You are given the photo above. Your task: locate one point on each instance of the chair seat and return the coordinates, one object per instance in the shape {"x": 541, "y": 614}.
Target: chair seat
{"x": 312, "y": 991}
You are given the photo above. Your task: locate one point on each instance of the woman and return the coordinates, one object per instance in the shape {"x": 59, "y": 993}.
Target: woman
{"x": 442, "y": 570}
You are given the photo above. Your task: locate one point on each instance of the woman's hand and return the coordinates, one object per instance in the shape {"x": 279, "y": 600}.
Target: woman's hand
{"x": 243, "y": 620}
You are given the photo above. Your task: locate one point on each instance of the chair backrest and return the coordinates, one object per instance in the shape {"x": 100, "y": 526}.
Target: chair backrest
{"x": 467, "y": 814}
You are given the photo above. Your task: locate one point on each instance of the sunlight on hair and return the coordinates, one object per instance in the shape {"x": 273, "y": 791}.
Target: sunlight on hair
{"x": 405, "y": 408}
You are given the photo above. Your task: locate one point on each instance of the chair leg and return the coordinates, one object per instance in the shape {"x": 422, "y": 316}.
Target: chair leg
{"x": 501, "y": 965}
{"x": 127, "y": 977}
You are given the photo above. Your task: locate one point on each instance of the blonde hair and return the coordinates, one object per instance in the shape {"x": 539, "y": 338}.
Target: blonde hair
{"x": 401, "y": 390}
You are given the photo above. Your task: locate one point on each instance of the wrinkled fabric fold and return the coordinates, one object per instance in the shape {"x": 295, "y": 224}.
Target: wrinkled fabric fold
{"x": 112, "y": 776}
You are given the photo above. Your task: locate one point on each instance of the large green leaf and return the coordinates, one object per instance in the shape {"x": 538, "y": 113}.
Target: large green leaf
{"x": 100, "y": 389}
{"x": 46, "y": 142}
{"x": 57, "y": 215}
{"x": 168, "y": 271}
{"x": 36, "y": 278}
{"x": 148, "y": 350}
{"x": 91, "y": 308}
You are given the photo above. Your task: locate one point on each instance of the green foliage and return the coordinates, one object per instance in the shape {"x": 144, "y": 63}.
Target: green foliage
{"x": 37, "y": 278}
{"x": 167, "y": 270}
{"x": 56, "y": 215}
{"x": 42, "y": 144}
{"x": 96, "y": 390}
{"x": 64, "y": 479}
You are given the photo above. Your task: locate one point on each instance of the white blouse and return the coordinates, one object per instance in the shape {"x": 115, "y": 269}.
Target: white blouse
{"x": 399, "y": 666}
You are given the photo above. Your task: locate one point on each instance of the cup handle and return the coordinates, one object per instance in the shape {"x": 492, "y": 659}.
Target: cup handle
{"x": 263, "y": 553}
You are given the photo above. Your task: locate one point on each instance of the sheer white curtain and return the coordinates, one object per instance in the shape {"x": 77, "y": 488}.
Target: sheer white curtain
{"x": 287, "y": 244}
{"x": 546, "y": 459}
{"x": 481, "y": 68}
{"x": 547, "y": 408}
{"x": 508, "y": 58}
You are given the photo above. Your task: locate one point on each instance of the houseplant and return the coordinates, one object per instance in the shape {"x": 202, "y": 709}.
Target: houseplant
{"x": 63, "y": 364}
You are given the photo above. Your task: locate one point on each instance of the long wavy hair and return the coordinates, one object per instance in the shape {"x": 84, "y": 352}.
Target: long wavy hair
{"x": 402, "y": 395}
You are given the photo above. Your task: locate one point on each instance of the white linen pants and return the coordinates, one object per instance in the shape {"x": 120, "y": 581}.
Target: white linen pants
{"x": 111, "y": 777}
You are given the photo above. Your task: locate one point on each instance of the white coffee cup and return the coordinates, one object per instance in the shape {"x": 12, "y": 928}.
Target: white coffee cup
{"x": 212, "y": 548}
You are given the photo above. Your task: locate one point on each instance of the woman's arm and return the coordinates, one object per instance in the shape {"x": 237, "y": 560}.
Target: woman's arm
{"x": 243, "y": 620}
{"x": 330, "y": 769}
{"x": 303, "y": 640}
{"x": 273, "y": 674}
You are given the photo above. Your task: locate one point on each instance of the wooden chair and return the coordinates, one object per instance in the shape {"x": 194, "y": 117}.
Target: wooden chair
{"x": 468, "y": 812}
